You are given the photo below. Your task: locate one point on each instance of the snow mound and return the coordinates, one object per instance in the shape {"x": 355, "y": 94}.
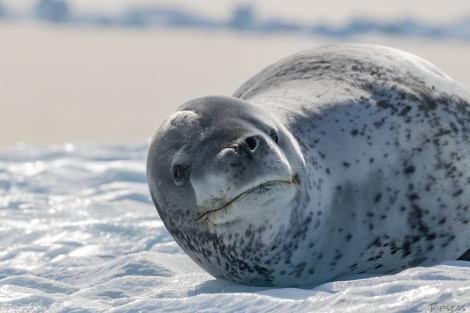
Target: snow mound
{"x": 79, "y": 233}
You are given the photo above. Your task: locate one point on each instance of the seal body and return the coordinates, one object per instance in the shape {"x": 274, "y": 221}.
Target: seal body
{"x": 338, "y": 160}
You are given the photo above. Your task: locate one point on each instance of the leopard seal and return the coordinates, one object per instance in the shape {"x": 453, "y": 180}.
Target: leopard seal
{"x": 338, "y": 160}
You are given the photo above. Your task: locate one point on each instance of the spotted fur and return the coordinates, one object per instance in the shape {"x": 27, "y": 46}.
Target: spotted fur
{"x": 376, "y": 142}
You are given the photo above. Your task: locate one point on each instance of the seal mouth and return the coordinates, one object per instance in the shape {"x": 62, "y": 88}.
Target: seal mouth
{"x": 259, "y": 189}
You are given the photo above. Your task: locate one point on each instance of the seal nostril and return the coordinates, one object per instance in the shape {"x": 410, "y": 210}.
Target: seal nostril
{"x": 251, "y": 142}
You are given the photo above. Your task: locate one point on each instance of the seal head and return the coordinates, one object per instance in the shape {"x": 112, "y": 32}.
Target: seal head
{"x": 221, "y": 171}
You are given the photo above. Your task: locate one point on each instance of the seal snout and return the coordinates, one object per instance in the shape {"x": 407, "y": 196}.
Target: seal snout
{"x": 249, "y": 145}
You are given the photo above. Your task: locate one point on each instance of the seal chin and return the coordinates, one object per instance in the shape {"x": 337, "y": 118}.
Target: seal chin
{"x": 249, "y": 201}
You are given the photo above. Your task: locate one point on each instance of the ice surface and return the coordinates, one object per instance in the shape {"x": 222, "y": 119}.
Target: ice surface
{"x": 78, "y": 233}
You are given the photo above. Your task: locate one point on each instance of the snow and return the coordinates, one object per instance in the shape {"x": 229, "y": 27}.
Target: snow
{"x": 79, "y": 233}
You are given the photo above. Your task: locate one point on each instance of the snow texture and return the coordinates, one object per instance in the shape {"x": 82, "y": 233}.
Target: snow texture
{"x": 79, "y": 233}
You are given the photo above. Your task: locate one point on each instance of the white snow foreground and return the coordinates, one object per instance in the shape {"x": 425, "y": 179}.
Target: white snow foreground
{"x": 79, "y": 233}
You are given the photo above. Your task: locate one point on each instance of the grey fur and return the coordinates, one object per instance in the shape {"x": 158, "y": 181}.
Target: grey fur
{"x": 355, "y": 158}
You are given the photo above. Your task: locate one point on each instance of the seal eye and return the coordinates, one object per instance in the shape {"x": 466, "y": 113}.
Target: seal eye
{"x": 179, "y": 173}
{"x": 273, "y": 135}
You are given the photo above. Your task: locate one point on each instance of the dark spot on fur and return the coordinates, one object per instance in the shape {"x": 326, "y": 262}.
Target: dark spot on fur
{"x": 409, "y": 170}
{"x": 406, "y": 248}
{"x": 405, "y": 110}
